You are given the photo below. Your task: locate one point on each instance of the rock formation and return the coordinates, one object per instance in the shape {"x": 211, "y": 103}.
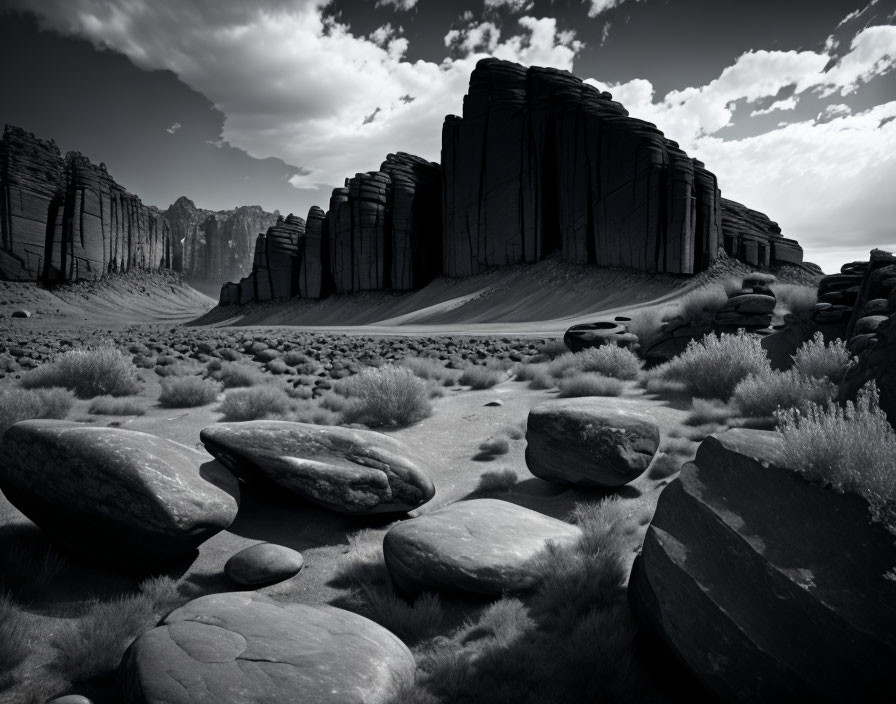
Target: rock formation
{"x": 67, "y": 219}
{"x": 539, "y": 162}
{"x": 215, "y": 246}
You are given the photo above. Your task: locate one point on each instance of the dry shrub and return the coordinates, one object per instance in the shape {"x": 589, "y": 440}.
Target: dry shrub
{"x": 255, "y": 403}
{"x": 188, "y": 392}
{"x": 816, "y": 360}
{"x": 112, "y": 406}
{"x": 849, "y": 448}
{"x": 796, "y": 298}
{"x": 500, "y": 480}
{"x": 760, "y": 395}
{"x": 89, "y": 372}
{"x": 386, "y": 397}
{"x": 608, "y": 360}
{"x": 481, "y": 377}
{"x": 590, "y": 384}
{"x": 707, "y": 410}
{"x": 495, "y": 445}
{"x": 239, "y": 374}
{"x": 428, "y": 368}
{"x": 24, "y": 404}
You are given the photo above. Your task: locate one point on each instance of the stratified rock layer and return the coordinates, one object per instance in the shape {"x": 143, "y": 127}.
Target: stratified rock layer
{"x": 766, "y": 587}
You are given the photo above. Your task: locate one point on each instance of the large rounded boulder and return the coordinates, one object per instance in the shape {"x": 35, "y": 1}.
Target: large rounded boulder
{"x": 601, "y": 332}
{"x": 242, "y": 647}
{"x": 583, "y": 443}
{"x": 766, "y": 587}
{"x": 345, "y": 470}
{"x": 114, "y": 494}
{"x": 483, "y": 547}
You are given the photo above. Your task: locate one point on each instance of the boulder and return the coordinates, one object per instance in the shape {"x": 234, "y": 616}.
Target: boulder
{"x": 483, "y": 547}
{"x": 346, "y": 470}
{"x": 118, "y": 495}
{"x": 242, "y": 647}
{"x": 263, "y": 563}
{"x": 582, "y": 442}
{"x": 766, "y": 587}
{"x": 601, "y": 332}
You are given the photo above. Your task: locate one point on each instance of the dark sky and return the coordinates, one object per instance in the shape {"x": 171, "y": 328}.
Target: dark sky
{"x": 275, "y": 102}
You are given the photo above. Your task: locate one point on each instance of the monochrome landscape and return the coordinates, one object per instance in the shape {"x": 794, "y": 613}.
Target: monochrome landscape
{"x": 577, "y": 393}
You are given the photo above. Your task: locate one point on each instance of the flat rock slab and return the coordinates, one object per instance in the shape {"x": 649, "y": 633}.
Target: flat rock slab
{"x": 768, "y": 588}
{"x": 235, "y": 648}
{"x": 482, "y": 546}
{"x": 350, "y": 471}
{"x": 583, "y": 443}
{"x": 263, "y": 563}
{"x": 114, "y": 494}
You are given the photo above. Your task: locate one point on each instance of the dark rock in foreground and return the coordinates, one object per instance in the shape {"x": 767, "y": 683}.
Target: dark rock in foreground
{"x": 263, "y": 563}
{"x": 766, "y": 587}
{"x": 601, "y": 332}
{"x": 350, "y": 471}
{"x": 482, "y": 546}
{"x": 119, "y": 495}
{"x": 244, "y": 647}
{"x": 584, "y": 443}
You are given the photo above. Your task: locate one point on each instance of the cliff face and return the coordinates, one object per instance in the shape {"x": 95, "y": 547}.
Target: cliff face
{"x": 66, "y": 219}
{"x": 215, "y": 245}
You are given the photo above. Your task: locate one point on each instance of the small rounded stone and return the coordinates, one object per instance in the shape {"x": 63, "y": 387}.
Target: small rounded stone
{"x": 71, "y": 699}
{"x": 262, "y": 564}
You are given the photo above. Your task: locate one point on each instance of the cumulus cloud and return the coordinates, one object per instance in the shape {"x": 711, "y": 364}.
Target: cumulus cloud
{"x": 598, "y": 7}
{"x": 511, "y": 5}
{"x": 308, "y": 95}
{"x": 403, "y": 5}
{"x": 174, "y": 128}
{"x": 786, "y": 104}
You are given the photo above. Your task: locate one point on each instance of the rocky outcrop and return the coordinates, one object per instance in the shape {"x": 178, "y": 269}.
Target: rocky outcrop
{"x": 752, "y": 237}
{"x": 764, "y": 586}
{"x": 67, "y": 219}
{"x": 215, "y": 245}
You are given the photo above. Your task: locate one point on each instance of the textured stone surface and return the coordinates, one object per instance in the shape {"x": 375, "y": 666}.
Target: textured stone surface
{"x": 245, "y": 647}
{"x": 481, "y": 546}
{"x": 115, "y": 494}
{"x": 350, "y": 471}
{"x": 602, "y": 332}
{"x": 766, "y": 587}
{"x": 581, "y": 442}
{"x": 263, "y": 563}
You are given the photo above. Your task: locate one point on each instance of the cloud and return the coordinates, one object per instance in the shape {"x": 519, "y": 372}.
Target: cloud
{"x": 510, "y": 5}
{"x": 174, "y": 128}
{"x": 402, "y": 5}
{"x": 605, "y": 32}
{"x": 786, "y": 104}
{"x": 297, "y": 85}
{"x": 598, "y": 7}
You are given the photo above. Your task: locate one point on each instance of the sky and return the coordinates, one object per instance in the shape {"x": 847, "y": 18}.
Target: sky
{"x": 791, "y": 104}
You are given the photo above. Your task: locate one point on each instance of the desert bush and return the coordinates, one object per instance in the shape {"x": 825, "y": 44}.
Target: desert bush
{"x": 427, "y": 368}
{"x": 294, "y": 358}
{"x": 179, "y": 368}
{"x": 239, "y": 374}
{"x": 516, "y": 431}
{"x": 91, "y": 648}
{"x": 88, "y": 371}
{"x": 589, "y": 384}
{"x": 230, "y": 355}
{"x": 820, "y": 361}
{"x": 254, "y": 403}
{"x": 14, "y": 633}
{"x": 705, "y": 410}
{"x": 364, "y": 571}
{"x": 699, "y": 307}
{"x": 481, "y": 377}
{"x": 25, "y": 404}
{"x": 386, "y": 397}
{"x": 499, "y": 480}
{"x": 495, "y": 445}
{"x": 188, "y": 392}
{"x": 796, "y": 298}
{"x": 713, "y": 366}
{"x": 112, "y": 406}
{"x": 267, "y": 355}
{"x": 647, "y": 323}
{"x": 553, "y": 348}
{"x": 762, "y": 394}
{"x": 608, "y": 360}
{"x": 278, "y": 366}
{"x": 849, "y": 448}
{"x": 307, "y": 411}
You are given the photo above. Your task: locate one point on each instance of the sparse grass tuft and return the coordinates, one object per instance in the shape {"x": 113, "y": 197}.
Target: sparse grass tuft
{"x": 850, "y": 449}
{"x": 713, "y": 366}
{"x": 816, "y": 360}
{"x": 796, "y": 298}
{"x": 495, "y": 445}
{"x": 13, "y": 638}
{"x": 24, "y": 404}
{"x": 427, "y": 368}
{"x": 112, "y": 406}
{"x": 553, "y": 348}
{"x": 89, "y": 372}
{"x": 500, "y": 480}
{"x": 265, "y": 401}
{"x": 608, "y": 360}
{"x": 188, "y": 392}
{"x": 239, "y": 374}
{"x": 590, "y": 384}
{"x": 29, "y": 566}
{"x": 481, "y": 377}
{"x": 705, "y": 410}
{"x": 386, "y": 397}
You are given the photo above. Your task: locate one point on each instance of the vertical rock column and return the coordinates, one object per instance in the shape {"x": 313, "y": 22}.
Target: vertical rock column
{"x": 369, "y": 225}
{"x": 313, "y": 262}
{"x": 339, "y": 235}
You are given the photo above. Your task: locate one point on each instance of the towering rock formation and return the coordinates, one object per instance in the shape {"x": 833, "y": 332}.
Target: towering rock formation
{"x": 215, "y": 245}
{"x": 541, "y": 161}
{"x": 752, "y": 237}
{"x": 67, "y": 219}
{"x": 314, "y": 258}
